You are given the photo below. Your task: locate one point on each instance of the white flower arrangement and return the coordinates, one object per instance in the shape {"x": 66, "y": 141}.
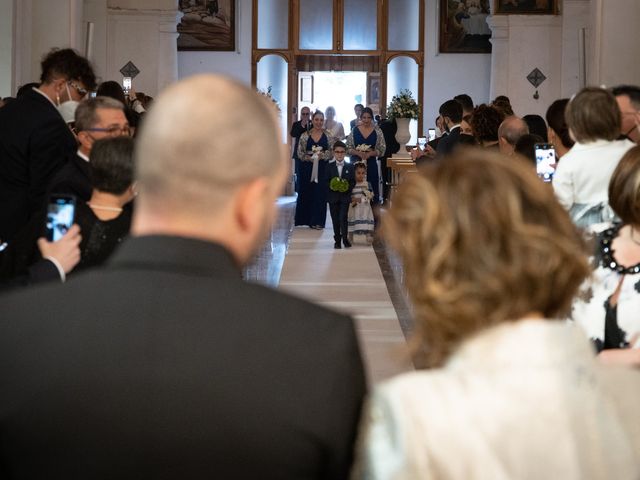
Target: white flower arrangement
{"x": 367, "y": 195}
{"x": 363, "y": 147}
{"x": 403, "y": 105}
{"x": 270, "y": 97}
{"x": 316, "y": 151}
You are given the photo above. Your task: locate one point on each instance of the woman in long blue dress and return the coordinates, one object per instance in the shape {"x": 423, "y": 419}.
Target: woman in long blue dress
{"x": 366, "y": 141}
{"x": 311, "y": 205}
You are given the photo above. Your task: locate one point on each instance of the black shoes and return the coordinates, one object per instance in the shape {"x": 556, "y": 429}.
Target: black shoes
{"x": 337, "y": 245}
{"x": 347, "y": 243}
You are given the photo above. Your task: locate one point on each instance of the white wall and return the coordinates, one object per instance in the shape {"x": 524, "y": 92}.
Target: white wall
{"x": 6, "y": 48}
{"x": 615, "y": 42}
{"x": 233, "y": 64}
{"x": 450, "y": 74}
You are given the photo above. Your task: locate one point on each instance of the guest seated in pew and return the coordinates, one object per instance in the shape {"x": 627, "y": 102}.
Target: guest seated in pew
{"x": 491, "y": 262}
{"x": 608, "y": 304}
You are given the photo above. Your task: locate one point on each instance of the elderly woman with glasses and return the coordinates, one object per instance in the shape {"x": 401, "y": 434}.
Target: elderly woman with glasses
{"x": 491, "y": 262}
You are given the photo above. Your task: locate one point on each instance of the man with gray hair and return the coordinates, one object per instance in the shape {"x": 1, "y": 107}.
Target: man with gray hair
{"x": 95, "y": 118}
{"x": 166, "y": 364}
{"x": 509, "y": 132}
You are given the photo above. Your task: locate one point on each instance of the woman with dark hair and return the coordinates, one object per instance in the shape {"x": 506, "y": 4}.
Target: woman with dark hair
{"x": 558, "y": 131}
{"x": 314, "y": 151}
{"x": 582, "y": 176}
{"x": 491, "y": 263}
{"x": 608, "y": 305}
{"x": 366, "y": 142}
{"x": 537, "y": 126}
{"x": 485, "y": 122}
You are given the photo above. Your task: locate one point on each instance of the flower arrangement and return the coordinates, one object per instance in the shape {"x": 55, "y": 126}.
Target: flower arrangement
{"x": 316, "y": 151}
{"x": 363, "y": 147}
{"x": 270, "y": 97}
{"x": 368, "y": 194}
{"x": 338, "y": 184}
{"x": 403, "y": 105}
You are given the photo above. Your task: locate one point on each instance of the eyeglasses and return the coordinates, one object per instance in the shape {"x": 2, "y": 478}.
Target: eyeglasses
{"x": 79, "y": 89}
{"x": 339, "y": 151}
{"x": 306, "y": 114}
{"x": 113, "y": 131}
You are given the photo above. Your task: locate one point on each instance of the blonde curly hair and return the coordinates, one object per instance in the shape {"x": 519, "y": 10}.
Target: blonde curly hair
{"x": 483, "y": 242}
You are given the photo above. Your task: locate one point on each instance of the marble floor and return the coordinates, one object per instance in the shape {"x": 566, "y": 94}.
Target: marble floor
{"x": 363, "y": 281}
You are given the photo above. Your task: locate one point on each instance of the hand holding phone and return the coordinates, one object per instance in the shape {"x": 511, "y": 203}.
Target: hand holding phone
{"x": 545, "y": 160}
{"x": 60, "y": 213}
{"x": 126, "y": 85}
{"x": 432, "y": 134}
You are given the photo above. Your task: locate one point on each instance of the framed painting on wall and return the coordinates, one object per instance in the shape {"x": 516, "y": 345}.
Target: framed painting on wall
{"x": 373, "y": 89}
{"x": 526, "y": 7}
{"x": 463, "y": 26}
{"x": 207, "y": 25}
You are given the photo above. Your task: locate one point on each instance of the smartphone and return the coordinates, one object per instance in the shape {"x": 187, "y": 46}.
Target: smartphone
{"x": 432, "y": 134}
{"x": 60, "y": 212}
{"x": 92, "y": 94}
{"x": 126, "y": 85}
{"x": 545, "y": 160}
{"x": 422, "y": 141}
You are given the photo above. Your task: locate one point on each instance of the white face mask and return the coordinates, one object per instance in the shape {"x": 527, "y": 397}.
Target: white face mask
{"x": 68, "y": 110}
{"x": 438, "y": 132}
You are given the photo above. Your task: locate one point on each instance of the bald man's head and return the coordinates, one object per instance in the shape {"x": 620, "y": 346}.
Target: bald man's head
{"x": 510, "y": 131}
{"x": 205, "y": 137}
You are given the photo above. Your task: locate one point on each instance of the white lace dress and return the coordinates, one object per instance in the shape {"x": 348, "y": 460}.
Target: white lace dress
{"x": 360, "y": 216}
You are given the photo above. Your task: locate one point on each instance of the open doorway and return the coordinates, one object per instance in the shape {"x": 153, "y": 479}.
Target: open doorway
{"x": 341, "y": 90}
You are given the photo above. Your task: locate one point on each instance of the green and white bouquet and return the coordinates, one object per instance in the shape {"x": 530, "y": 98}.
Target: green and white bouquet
{"x": 403, "y": 105}
{"x": 338, "y": 184}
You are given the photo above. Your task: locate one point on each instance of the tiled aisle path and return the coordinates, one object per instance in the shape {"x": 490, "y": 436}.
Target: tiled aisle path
{"x": 348, "y": 280}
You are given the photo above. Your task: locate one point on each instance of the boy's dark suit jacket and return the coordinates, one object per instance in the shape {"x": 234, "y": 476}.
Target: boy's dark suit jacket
{"x": 166, "y": 364}
{"x": 34, "y": 143}
{"x": 348, "y": 173}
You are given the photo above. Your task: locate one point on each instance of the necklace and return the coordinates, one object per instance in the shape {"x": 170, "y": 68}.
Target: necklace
{"x": 104, "y": 207}
{"x": 637, "y": 242}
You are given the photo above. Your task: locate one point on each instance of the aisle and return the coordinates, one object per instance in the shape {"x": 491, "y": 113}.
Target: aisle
{"x": 348, "y": 280}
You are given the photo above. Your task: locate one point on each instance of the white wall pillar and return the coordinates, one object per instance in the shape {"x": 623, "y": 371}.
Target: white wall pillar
{"x": 148, "y": 39}
{"x": 522, "y": 43}
{"x": 614, "y": 42}
{"x": 499, "y": 84}
{"x": 575, "y": 17}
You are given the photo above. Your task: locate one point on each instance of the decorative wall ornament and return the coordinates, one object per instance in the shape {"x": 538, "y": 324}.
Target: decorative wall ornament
{"x": 536, "y": 77}
{"x": 207, "y": 25}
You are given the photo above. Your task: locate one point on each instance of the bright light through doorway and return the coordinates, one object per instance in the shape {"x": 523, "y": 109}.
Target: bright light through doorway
{"x": 341, "y": 90}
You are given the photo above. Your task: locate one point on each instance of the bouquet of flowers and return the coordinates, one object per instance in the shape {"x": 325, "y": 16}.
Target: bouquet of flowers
{"x": 270, "y": 97}
{"x": 368, "y": 194}
{"x": 316, "y": 150}
{"x": 403, "y": 106}
{"x": 363, "y": 147}
{"x": 338, "y": 184}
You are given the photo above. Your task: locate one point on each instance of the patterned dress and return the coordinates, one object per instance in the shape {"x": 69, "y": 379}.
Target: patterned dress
{"x": 311, "y": 204}
{"x": 376, "y": 142}
{"x": 360, "y": 216}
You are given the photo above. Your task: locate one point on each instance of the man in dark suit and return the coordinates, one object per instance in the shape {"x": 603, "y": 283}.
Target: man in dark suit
{"x": 35, "y": 140}
{"x": 95, "y": 118}
{"x": 165, "y": 364}
{"x": 451, "y": 113}
{"x": 339, "y": 201}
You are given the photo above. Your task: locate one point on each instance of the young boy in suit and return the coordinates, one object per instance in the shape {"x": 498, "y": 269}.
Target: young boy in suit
{"x": 339, "y": 200}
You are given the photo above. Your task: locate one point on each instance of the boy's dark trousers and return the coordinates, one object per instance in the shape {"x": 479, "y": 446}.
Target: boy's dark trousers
{"x": 339, "y": 202}
{"x": 339, "y": 210}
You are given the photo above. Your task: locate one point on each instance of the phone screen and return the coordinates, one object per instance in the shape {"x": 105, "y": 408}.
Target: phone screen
{"x": 432, "y": 134}
{"x": 545, "y": 160}
{"x": 60, "y": 212}
{"x": 422, "y": 141}
{"x": 126, "y": 84}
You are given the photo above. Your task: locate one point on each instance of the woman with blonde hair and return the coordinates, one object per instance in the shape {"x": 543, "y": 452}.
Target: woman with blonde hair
{"x": 491, "y": 261}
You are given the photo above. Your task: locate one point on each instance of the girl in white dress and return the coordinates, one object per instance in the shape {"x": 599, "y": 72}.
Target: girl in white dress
{"x": 360, "y": 216}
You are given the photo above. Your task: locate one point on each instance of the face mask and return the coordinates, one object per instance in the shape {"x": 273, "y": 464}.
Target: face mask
{"x": 68, "y": 110}
{"x": 438, "y": 132}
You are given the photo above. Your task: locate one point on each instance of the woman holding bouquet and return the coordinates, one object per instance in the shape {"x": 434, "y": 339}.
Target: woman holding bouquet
{"x": 366, "y": 143}
{"x": 314, "y": 150}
